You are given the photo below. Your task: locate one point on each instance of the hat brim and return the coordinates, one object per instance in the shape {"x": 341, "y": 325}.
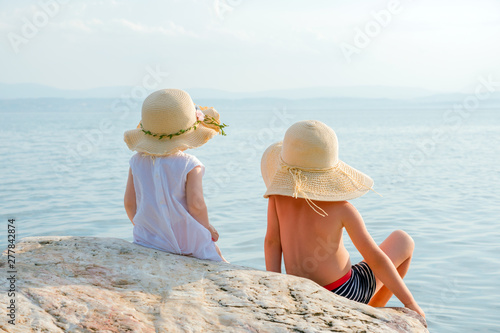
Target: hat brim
{"x": 339, "y": 183}
{"x": 139, "y": 141}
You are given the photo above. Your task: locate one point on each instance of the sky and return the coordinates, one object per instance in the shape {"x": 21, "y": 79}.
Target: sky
{"x": 250, "y": 45}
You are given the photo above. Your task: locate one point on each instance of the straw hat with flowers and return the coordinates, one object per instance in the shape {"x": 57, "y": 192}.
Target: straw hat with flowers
{"x": 172, "y": 122}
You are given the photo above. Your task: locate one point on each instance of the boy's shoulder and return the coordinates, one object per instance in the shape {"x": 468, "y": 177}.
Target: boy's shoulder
{"x": 340, "y": 207}
{"x": 345, "y": 206}
{"x": 349, "y": 212}
{"x": 343, "y": 209}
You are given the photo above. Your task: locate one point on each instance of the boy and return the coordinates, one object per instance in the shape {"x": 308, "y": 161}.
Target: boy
{"x": 308, "y": 188}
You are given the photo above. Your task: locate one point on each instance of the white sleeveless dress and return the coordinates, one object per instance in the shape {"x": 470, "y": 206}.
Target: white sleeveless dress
{"x": 162, "y": 220}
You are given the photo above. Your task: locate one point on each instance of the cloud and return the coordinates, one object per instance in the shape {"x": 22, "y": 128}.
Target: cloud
{"x": 78, "y": 25}
{"x": 121, "y": 26}
{"x": 171, "y": 29}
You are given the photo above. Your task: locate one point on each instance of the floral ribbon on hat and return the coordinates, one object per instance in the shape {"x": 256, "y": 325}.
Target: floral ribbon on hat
{"x": 209, "y": 120}
{"x": 206, "y": 119}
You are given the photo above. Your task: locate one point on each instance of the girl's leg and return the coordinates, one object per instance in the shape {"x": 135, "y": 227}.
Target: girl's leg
{"x": 399, "y": 248}
{"x": 218, "y": 251}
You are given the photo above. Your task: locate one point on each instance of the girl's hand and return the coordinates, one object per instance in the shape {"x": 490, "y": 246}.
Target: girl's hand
{"x": 414, "y": 306}
{"x": 215, "y": 234}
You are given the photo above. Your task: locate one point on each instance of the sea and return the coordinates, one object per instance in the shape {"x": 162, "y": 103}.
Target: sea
{"x": 435, "y": 163}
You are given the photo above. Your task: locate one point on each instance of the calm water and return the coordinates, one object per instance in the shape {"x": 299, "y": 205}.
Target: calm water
{"x": 63, "y": 172}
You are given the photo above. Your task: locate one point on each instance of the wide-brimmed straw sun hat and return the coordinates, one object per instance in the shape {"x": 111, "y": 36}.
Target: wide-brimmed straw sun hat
{"x": 306, "y": 165}
{"x": 172, "y": 122}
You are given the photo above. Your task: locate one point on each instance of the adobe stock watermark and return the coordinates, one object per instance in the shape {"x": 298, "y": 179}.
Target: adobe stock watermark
{"x": 364, "y": 36}
{"x": 132, "y": 101}
{"x": 253, "y": 147}
{"x": 86, "y": 144}
{"x": 452, "y": 120}
{"x": 45, "y": 11}
{"x": 225, "y": 7}
{"x": 448, "y": 296}
{"x": 322, "y": 252}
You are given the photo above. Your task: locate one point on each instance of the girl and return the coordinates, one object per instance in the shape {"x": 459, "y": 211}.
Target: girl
{"x": 164, "y": 194}
{"x": 308, "y": 188}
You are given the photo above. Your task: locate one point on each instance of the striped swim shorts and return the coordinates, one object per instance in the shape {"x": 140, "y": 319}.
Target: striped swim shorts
{"x": 361, "y": 285}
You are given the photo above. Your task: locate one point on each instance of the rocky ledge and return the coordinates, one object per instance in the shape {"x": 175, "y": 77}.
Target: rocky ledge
{"x": 92, "y": 284}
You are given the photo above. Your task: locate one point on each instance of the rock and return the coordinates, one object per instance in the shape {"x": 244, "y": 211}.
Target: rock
{"x": 92, "y": 284}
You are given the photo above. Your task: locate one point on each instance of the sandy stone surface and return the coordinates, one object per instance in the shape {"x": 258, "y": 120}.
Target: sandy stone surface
{"x": 93, "y": 284}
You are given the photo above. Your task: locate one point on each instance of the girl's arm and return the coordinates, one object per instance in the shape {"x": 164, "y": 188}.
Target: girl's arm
{"x": 378, "y": 261}
{"x": 272, "y": 242}
{"x": 196, "y": 202}
{"x": 129, "y": 199}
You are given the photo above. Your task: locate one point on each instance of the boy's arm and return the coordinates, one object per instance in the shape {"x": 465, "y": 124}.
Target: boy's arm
{"x": 378, "y": 261}
{"x": 272, "y": 242}
{"x": 129, "y": 200}
{"x": 196, "y": 202}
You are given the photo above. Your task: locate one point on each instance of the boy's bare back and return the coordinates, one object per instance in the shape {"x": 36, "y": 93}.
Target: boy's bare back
{"x": 312, "y": 245}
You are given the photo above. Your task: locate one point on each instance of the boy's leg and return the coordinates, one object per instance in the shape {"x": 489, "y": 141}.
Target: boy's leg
{"x": 399, "y": 248}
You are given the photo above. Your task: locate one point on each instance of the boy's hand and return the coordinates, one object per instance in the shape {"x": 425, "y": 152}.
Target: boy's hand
{"x": 414, "y": 306}
{"x": 215, "y": 234}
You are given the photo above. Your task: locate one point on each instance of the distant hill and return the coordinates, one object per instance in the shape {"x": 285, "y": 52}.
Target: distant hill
{"x": 31, "y": 90}
{"x": 319, "y": 92}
